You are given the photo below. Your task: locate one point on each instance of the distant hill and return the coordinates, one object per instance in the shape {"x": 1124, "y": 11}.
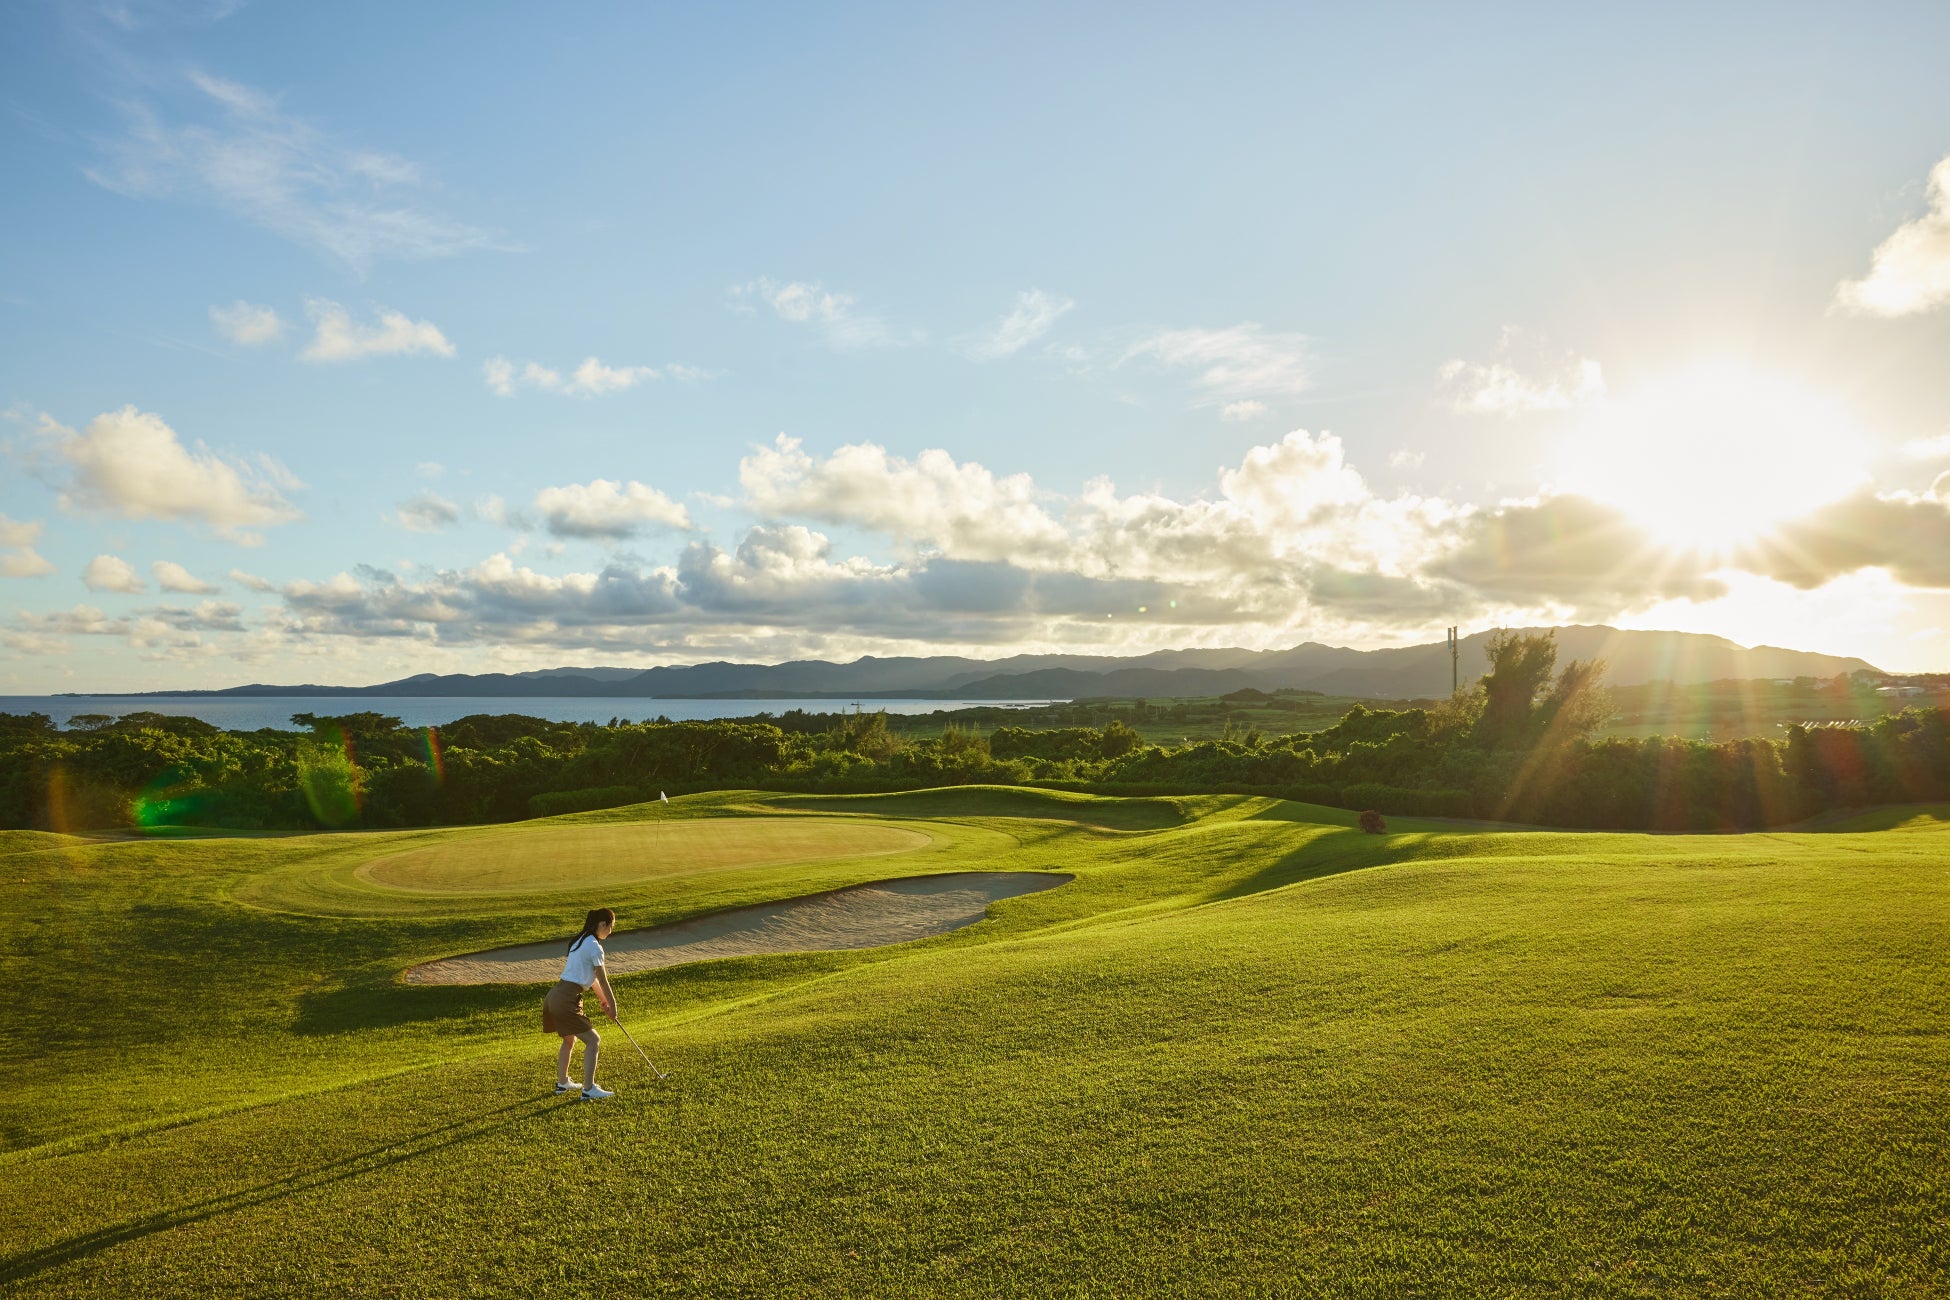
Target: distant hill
{"x": 1407, "y": 672}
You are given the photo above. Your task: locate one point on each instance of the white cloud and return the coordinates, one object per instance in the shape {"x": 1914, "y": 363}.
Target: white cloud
{"x": 1937, "y": 448}
{"x": 1031, "y": 318}
{"x": 426, "y": 512}
{"x": 171, "y": 576}
{"x": 492, "y": 509}
{"x": 1403, "y": 458}
{"x": 590, "y": 379}
{"x": 930, "y": 501}
{"x": 1246, "y": 410}
{"x": 833, "y": 313}
{"x": 500, "y": 375}
{"x": 604, "y": 508}
{"x": 130, "y": 463}
{"x": 23, "y": 561}
{"x": 1526, "y": 375}
{"x": 251, "y": 581}
{"x": 247, "y": 324}
{"x": 338, "y": 338}
{"x": 112, "y": 573}
{"x": 429, "y": 469}
{"x": 18, "y": 558}
{"x": 19, "y": 532}
{"x": 1910, "y": 270}
{"x": 1244, "y": 361}
{"x": 237, "y": 148}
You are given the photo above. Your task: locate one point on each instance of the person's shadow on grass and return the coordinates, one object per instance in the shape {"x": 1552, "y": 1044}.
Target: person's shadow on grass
{"x": 28, "y": 1263}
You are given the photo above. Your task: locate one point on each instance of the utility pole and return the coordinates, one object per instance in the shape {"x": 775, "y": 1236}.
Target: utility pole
{"x": 1455, "y": 664}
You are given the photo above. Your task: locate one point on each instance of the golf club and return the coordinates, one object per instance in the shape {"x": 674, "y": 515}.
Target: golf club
{"x": 639, "y": 1048}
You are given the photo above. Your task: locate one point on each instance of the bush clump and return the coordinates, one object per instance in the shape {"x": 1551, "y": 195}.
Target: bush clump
{"x": 1373, "y": 823}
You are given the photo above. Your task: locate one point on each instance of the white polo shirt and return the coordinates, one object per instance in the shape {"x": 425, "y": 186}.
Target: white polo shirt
{"x": 581, "y": 966}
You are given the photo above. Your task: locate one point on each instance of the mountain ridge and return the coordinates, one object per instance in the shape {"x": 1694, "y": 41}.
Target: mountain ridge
{"x": 1398, "y": 672}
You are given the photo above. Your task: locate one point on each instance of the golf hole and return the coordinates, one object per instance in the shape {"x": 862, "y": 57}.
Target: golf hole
{"x": 874, "y": 915}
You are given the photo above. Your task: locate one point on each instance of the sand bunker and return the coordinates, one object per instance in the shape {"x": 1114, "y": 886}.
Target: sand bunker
{"x": 862, "y": 916}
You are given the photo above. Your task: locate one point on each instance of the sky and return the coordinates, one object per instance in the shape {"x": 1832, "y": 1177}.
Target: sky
{"x": 344, "y": 342}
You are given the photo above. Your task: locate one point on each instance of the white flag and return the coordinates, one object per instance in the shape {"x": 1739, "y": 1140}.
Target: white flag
{"x": 662, "y": 797}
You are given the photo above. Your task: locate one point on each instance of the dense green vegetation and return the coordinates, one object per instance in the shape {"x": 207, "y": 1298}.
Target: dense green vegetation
{"x": 1522, "y": 746}
{"x": 1249, "y": 1050}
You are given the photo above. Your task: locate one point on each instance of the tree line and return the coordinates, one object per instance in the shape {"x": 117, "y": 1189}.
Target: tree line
{"x": 1515, "y": 747}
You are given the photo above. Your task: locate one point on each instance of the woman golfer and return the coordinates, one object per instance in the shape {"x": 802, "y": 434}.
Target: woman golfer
{"x": 562, "y": 1008}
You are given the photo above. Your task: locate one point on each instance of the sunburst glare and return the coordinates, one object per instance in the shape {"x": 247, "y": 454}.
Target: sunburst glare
{"x": 1715, "y": 456}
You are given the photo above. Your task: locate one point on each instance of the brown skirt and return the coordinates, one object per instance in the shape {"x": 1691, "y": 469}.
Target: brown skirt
{"x": 562, "y": 1010}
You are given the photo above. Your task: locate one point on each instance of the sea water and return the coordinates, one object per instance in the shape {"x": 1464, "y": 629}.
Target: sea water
{"x": 253, "y": 712}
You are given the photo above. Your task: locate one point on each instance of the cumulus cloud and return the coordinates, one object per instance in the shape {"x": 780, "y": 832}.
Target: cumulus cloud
{"x": 1289, "y": 542}
{"x": 1031, "y": 318}
{"x": 1937, "y": 448}
{"x": 426, "y": 512}
{"x": 18, "y": 558}
{"x": 112, "y": 573}
{"x": 590, "y": 379}
{"x": 1526, "y": 374}
{"x": 1403, "y": 458}
{"x": 338, "y": 338}
{"x": 171, "y": 576}
{"x": 1906, "y": 534}
{"x": 806, "y": 303}
{"x": 132, "y": 464}
{"x": 496, "y": 599}
{"x": 251, "y": 582}
{"x": 206, "y": 616}
{"x": 1569, "y": 550}
{"x": 163, "y": 631}
{"x": 1909, "y": 271}
{"x": 1244, "y": 362}
{"x": 237, "y": 148}
{"x": 247, "y": 324}
{"x": 932, "y": 501}
{"x": 24, "y": 562}
{"x": 1246, "y": 410}
{"x": 607, "y": 509}
{"x": 492, "y": 509}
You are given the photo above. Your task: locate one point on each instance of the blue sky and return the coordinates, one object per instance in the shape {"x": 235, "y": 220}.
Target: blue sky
{"x": 343, "y": 342}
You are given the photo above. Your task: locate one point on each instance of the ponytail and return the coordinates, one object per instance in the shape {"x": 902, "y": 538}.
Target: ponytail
{"x": 598, "y": 916}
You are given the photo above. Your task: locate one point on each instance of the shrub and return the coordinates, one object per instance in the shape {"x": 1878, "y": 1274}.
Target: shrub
{"x": 1372, "y": 823}
{"x": 1402, "y": 802}
{"x": 557, "y": 802}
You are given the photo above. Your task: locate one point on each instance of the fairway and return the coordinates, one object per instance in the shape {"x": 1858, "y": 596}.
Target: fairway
{"x": 593, "y": 856}
{"x": 1245, "y": 1050}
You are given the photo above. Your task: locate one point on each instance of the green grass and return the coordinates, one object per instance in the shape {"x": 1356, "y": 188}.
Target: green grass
{"x": 1248, "y": 1051}
{"x": 620, "y": 853}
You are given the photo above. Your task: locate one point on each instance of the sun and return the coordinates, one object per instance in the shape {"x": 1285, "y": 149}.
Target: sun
{"x": 1714, "y": 456}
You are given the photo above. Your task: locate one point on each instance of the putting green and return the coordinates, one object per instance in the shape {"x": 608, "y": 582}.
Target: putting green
{"x": 553, "y": 857}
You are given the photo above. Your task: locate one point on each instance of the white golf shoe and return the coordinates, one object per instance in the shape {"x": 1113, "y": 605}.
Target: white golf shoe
{"x": 561, "y": 1088}
{"x": 590, "y": 1092}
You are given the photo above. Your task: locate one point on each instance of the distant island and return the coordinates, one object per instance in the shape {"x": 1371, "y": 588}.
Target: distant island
{"x": 1409, "y": 672}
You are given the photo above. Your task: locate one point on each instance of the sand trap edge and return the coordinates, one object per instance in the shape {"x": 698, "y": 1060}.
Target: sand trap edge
{"x": 850, "y": 918}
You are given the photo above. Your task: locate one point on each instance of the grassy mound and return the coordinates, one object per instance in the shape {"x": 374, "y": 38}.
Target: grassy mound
{"x": 1247, "y": 1053}
{"x": 594, "y": 856}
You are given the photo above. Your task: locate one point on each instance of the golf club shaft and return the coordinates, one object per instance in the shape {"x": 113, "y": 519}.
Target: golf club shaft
{"x": 639, "y": 1048}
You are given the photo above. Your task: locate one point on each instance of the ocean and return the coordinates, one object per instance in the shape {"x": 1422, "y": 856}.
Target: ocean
{"x": 254, "y": 712}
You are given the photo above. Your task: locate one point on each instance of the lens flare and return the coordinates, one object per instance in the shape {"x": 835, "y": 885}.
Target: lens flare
{"x": 170, "y": 799}
{"x": 328, "y": 773}
{"x": 436, "y": 762}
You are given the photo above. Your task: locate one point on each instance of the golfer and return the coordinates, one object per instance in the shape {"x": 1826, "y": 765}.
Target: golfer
{"x": 562, "y": 1008}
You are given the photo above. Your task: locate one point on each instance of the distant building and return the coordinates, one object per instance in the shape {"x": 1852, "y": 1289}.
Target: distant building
{"x": 1899, "y": 690}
